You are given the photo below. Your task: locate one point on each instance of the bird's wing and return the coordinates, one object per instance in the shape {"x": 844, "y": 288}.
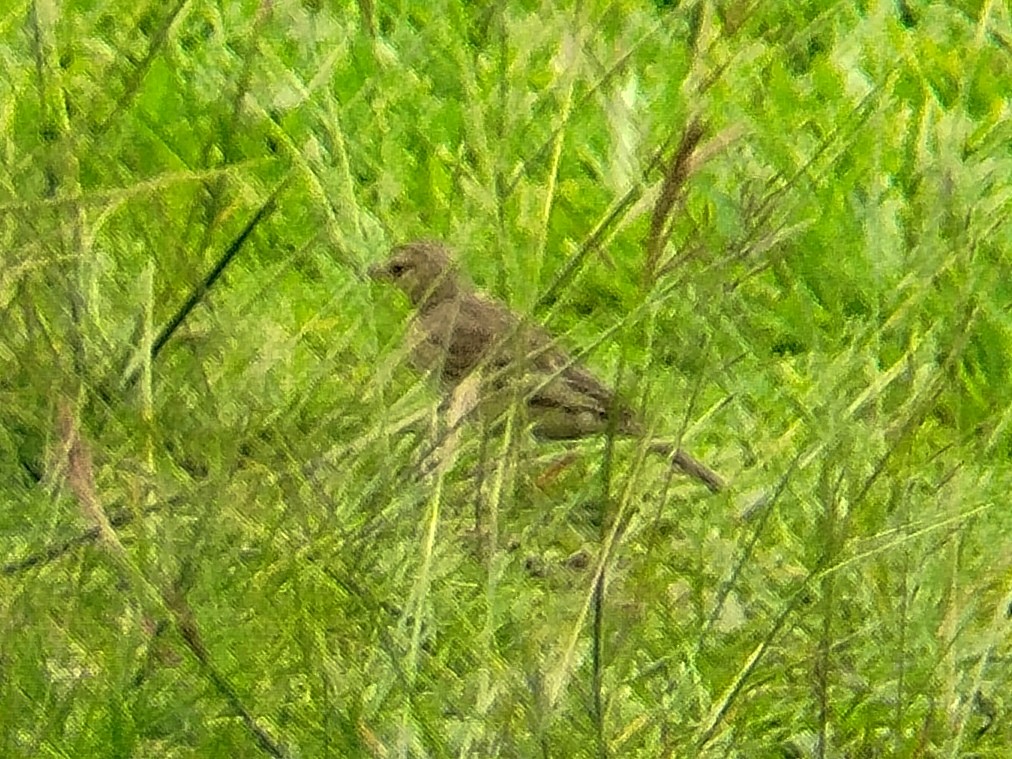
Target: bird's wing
{"x": 468, "y": 332}
{"x": 574, "y": 388}
{"x": 459, "y": 332}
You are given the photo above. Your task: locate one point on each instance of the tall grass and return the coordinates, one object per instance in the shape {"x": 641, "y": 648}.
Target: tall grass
{"x": 231, "y": 518}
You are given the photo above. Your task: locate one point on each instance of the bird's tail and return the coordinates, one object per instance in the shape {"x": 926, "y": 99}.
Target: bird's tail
{"x": 690, "y": 465}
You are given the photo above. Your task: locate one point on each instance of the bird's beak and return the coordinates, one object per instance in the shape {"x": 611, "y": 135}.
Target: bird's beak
{"x": 378, "y": 272}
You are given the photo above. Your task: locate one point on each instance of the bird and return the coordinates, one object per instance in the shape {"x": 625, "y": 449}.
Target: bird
{"x": 459, "y": 332}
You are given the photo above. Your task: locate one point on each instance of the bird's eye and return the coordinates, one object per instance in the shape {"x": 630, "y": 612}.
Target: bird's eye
{"x": 397, "y": 269}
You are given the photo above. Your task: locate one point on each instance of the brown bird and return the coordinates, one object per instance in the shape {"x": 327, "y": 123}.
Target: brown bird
{"x": 458, "y": 331}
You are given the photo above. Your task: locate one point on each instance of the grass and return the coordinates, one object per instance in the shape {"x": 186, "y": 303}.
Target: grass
{"x": 221, "y": 526}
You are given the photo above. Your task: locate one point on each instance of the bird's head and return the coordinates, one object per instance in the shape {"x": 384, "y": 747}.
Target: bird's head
{"x": 423, "y": 269}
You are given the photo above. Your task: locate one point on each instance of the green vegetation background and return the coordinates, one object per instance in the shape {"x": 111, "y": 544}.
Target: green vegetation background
{"x": 238, "y": 544}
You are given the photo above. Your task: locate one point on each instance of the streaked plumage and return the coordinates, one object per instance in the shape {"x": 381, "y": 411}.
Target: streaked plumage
{"x": 459, "y": 331}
